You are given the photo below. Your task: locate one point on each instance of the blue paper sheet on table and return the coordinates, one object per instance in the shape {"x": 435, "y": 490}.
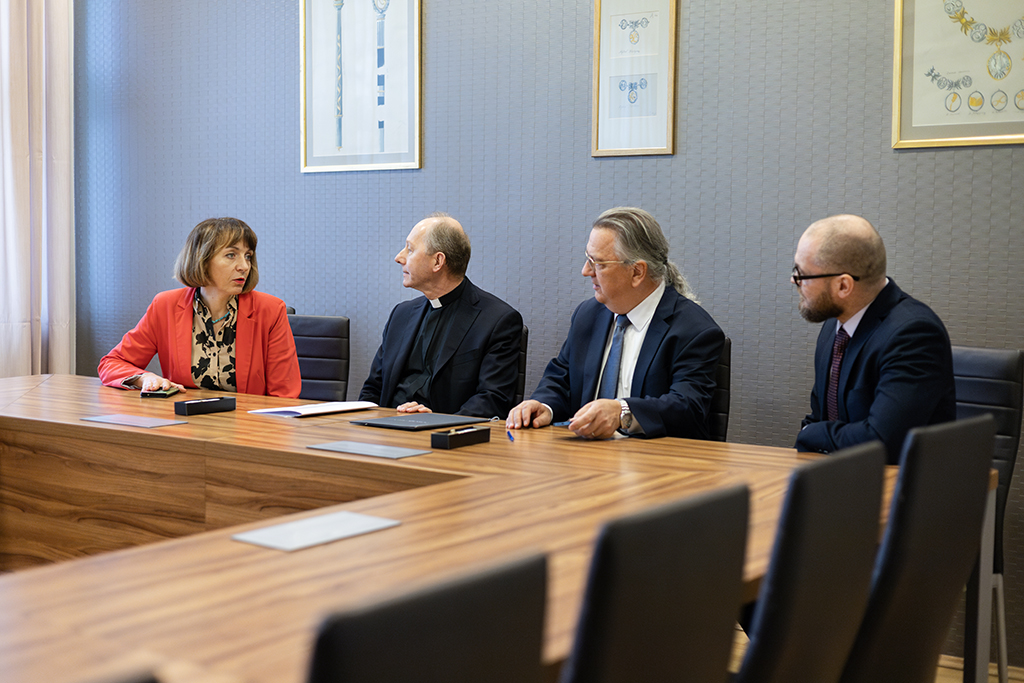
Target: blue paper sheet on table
{"x": 374, "y": 449}
{"x": 134, "y": 420}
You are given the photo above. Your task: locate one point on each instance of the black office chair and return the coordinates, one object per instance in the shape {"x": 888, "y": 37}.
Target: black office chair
{"x": 992, "y": 381}
{"x": 521, "y": 382}
{"x": 321, "y": 342}
{"x": 484, "y": 627}
{"x": 816, "y": 588}
{"x": 718, "y": 418}
{"x": 930, "y": 546}
{"x": 132, "y": 678}
{"x": 663, "y": 592}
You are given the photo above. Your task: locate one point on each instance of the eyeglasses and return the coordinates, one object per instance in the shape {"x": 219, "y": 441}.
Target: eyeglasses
{"x": 594, "y": 264}
{"x": 796, "y": 278}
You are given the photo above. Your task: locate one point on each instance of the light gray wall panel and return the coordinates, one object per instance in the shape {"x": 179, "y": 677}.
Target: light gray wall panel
{"x": 190, "y": 109}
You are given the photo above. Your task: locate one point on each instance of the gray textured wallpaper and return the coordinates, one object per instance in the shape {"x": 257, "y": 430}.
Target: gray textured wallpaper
{"x": 190, "y": 109}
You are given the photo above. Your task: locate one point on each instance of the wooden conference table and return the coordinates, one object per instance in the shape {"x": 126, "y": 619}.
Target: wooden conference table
{"x": 179, "y": 596}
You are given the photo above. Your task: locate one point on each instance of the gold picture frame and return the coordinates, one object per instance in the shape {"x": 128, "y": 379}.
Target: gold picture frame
{"x": 360, "y": 85}
{"x": 634, "y": 77}
{"x": 956, "y": 82}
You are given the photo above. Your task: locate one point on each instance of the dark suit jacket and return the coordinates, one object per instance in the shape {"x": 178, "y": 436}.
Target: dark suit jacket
{"x": 897, "y": 374}
{"x": 674, "y": 376}
{"x": 476, "y": 371}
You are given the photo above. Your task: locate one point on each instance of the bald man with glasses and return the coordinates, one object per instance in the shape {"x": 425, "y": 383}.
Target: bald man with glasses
{"x": 883, "y": 363}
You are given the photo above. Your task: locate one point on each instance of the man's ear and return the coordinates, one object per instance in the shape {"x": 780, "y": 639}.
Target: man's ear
{"x": 844, "y": 286}
{"x": 639, "y": 273}
{"x": 439, "y": 261}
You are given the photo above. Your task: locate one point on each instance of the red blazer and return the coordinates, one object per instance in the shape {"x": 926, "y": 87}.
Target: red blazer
{"x": 265, "y": 360}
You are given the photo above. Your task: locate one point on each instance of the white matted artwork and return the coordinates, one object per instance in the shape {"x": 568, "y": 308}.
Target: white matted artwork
{"x": 958, "y": 73}
{"x": 360, "y": 85}
{"x": 634, "y": 77}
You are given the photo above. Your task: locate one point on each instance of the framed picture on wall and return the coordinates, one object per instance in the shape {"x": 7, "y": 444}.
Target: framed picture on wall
{"x": 958, "y": 73}
{"x": 634, "y": 77}
{"x": 360, "y": 93}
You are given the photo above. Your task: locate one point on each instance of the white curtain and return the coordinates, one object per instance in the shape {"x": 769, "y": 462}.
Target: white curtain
{"x": 37, "y": 239}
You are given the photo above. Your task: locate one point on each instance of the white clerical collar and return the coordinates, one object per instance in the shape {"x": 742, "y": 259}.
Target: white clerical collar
{"x": 451, "y": 296}
{"x": 642, "y": 314}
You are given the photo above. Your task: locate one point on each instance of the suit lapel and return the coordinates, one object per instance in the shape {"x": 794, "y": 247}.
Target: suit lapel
{"x": 877, "y": 311}
{"x": 182, "y": 333}
{"x": 244, "y": 330}
{"x": 656, "y": 332}
{"x": 406, "y": 336}
{"x": 595, "y": 353}
{"x": 822, "y": 362}
{"x": 459, "y": 327}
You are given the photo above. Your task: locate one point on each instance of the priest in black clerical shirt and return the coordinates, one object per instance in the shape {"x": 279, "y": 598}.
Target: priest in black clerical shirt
{"x": 456, "y": 350}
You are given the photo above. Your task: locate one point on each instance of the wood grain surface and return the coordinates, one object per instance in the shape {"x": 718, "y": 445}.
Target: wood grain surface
{"x": 180, "y": 596}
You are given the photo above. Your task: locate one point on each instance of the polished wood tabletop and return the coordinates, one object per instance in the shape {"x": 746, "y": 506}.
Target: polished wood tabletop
{"x": 117, "y": 540}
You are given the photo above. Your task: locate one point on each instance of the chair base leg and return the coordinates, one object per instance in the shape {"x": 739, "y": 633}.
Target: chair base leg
{"x": 978, "y": 617}
{"x": 997, "y": 588}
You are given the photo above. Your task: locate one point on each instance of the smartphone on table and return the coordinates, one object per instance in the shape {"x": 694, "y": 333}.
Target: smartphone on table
{"x": 160, "y": 393}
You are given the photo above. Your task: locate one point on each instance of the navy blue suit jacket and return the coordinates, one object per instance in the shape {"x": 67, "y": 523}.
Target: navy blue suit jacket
{"x": 477, "y": 369}
{"x": 897, "y": 374}
{"x": 674, "y": 376}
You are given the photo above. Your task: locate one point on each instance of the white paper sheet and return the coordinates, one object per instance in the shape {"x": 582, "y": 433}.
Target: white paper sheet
{"x": 316, "y": 408}
{"x": 312, "y": 531}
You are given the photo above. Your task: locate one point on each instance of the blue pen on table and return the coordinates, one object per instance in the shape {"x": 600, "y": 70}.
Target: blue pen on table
{"x": 510, "y": 437}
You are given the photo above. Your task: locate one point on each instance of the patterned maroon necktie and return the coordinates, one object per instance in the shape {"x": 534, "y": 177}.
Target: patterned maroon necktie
{"x": 831, "y": 396}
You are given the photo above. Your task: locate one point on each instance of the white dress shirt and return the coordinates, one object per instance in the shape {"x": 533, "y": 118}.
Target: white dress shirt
{"x": 632, "y": 339}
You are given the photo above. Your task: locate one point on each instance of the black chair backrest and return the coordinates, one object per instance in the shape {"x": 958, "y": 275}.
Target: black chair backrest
{"x": 719, "y": 416}
{"x": 484, "y": 627}
{"x": 816, "y": 589}
{"x": 142, "y": 677}
{"x": 930, "y": 546}
{"x": 521, "y": 381}
{"x": 321, "y": 342}
{"x": 663, "y": 593}
{"x": 992, "y": 381}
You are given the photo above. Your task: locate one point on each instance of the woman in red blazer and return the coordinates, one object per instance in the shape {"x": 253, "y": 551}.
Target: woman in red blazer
{"x": 216, "y": 333}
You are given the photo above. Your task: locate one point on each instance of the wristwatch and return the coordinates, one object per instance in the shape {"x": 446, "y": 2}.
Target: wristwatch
{"x": 625, "y": 417}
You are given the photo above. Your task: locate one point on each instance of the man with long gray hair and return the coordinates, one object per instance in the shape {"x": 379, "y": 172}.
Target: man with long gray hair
{"x": 640, "y": 356}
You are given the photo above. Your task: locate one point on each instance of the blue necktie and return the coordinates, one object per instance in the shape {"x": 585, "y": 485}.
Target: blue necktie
{"x": 610, "y": 378}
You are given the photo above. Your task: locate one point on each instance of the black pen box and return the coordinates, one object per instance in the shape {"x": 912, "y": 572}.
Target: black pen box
{"x": 198, "y": 406}
{"x": 457, "y": 438}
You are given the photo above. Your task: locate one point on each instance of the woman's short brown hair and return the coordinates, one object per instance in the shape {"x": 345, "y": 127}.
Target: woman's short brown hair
{"x": 203, "y": 243}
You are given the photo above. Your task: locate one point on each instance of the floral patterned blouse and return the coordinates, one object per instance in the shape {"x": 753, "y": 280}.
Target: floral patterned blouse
{"x": 213, "y": 351}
